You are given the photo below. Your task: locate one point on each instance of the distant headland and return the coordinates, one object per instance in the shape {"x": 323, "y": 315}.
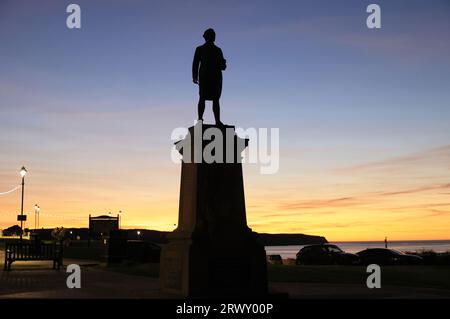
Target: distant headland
{"x": 160, "y": 237}
{"x": 290, "y": 239}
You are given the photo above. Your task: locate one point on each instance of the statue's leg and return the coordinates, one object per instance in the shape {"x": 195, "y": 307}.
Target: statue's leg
{"x": 201, "y": 108}
{"x": 216, "y": 110}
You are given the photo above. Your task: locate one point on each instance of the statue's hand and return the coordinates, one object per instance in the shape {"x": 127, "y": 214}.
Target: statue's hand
{"x": 195, "y": 81}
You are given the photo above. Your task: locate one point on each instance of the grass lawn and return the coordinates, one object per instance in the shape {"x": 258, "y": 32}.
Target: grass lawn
{"x": 413, "y": 276}
{"x": 409, "y": 276}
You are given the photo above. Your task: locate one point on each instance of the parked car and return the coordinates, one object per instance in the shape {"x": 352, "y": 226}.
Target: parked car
{"x": 274, "y": 259}
{"x": 384, "y": 256}
{"x": 325, "y": 254}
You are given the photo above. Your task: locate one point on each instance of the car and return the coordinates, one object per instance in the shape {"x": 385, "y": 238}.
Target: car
{"x": 385, "y": 256}
{"x": 274, "y": 260}
{"x": 325, "y": 254}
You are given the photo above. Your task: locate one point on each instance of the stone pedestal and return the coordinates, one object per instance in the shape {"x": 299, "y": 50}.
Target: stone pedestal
{"x": 212, "y": 252}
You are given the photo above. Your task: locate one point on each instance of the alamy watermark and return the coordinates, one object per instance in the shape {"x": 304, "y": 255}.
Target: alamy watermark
{"x": 373, "y": 21}
{"x": 211, "y": 144}
{"x": 74, "y": 279}
{"x": 374, "y": 279}
{"x": 73, "y": 20}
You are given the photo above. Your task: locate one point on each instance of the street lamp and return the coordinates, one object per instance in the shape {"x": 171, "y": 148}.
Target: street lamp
{"x": 23, "y": 172}
{"x": 36, "y": 216}
{"x": 120, "y": 217}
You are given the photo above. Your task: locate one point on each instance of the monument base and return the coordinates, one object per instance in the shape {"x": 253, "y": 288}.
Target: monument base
{"x": 198, "y": 267}
{"x": 212, "y": 253}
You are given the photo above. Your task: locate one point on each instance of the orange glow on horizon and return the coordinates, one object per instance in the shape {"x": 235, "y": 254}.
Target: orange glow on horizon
{"x": 362, "y": 206}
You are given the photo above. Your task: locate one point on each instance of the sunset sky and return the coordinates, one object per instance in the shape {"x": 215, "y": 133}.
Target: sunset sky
{"x": 364, "y": 115}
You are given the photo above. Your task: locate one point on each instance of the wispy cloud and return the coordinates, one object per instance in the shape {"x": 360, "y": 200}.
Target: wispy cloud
{"x": 422, "y": 42}
{"x": 440, "y": 154}
{"x": 314, "y": 204}
{"x": 362, "y": 199}
{"x": 385, "y": 193}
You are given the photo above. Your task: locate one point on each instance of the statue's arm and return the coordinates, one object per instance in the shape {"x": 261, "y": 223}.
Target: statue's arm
{"x": 195, "y": 65}
{"x": 224, "y": 62}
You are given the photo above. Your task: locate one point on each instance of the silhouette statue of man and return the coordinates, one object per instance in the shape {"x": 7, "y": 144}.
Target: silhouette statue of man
{"x": 207, "y": 70}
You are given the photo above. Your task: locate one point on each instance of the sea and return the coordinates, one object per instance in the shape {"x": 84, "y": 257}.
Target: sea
{"x": 438, "y": 246}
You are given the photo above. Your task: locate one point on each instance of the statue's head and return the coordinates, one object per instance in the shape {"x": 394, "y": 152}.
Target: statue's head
{"x": 209, "y": 35}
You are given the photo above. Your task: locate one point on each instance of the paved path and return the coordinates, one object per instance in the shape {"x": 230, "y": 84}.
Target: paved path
{"x": 94, "y": 284}
{"x": 38, "y": 280}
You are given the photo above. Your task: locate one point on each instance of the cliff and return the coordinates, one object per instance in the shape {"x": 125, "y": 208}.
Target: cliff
{"x": 290, "y": 239}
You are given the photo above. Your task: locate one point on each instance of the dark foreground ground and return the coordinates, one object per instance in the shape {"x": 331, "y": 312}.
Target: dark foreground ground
{"x": 37, "y": 280}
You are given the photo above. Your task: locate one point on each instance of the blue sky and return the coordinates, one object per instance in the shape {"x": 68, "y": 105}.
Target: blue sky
{"x": 85, "y": 105}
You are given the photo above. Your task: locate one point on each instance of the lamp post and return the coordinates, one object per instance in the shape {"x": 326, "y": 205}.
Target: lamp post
{"x": 36, "y": 216}
{"x": 23, "y": 172}
{"x": 120, "y": 217}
